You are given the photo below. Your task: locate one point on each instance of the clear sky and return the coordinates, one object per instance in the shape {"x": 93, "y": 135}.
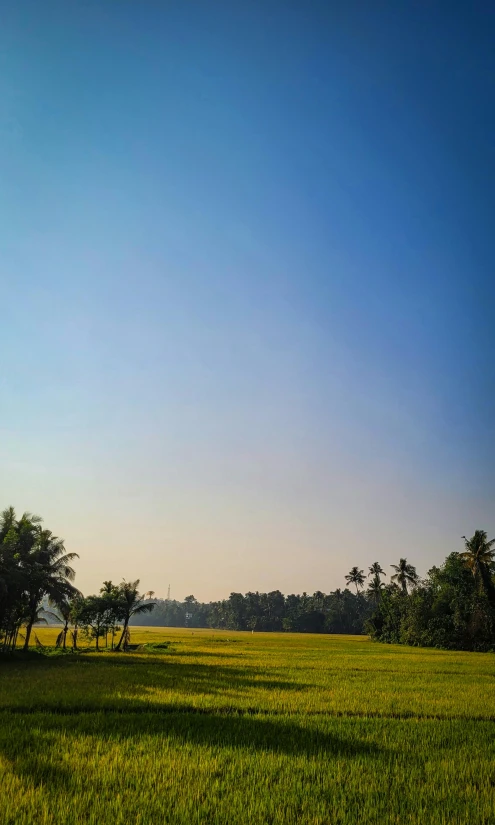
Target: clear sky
{"x": 247, "y": 285}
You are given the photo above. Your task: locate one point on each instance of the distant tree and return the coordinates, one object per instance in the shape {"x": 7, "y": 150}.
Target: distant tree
{"x": 376, "y": 570}
{"x": 356, "y": 577}
{"x": 405, "y": 575}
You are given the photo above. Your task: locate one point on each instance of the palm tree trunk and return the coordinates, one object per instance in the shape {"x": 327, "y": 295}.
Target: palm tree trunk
{"x": 124, "y": 629}
{"x": 28, "y": 633}
{"x": 15, "y": 635}
{"x": 66, "y": 627}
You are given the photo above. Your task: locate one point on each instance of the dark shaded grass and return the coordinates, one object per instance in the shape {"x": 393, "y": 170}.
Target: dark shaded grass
{"x": 288, "y": 770}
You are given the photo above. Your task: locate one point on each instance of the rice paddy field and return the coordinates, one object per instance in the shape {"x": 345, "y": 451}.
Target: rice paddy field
{"x": 225, "y": 728}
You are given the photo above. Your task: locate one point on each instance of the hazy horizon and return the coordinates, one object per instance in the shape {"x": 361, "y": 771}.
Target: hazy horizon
{"x": 247, "y": 281}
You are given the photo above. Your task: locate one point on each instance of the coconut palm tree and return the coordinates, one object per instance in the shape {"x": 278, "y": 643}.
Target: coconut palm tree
{"x": 131, "y": 603}
{"x": 405, "y": 574}
{"x": 479, "y": 557}
{"x": 48, "y": 573}
{"x": 356, "y": 577}
{"x": 376, "y": 570}
{"x": 374, "y": 589}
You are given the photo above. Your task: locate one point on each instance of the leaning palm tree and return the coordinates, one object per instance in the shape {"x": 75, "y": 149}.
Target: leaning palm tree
{"x": 376, "y": 570}
{"x": 64, "y": 608}
{"x": 356, "y": 577}
{"x": 480, "y": 558}
{"x": 405, "y": 574}
{"x": 131, "y": 603}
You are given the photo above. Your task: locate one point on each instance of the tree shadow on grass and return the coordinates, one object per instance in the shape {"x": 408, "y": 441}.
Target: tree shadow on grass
{"x": 118, "y": 700}
{"x": 31, "y": 743}
{"x": 107, "y": 681}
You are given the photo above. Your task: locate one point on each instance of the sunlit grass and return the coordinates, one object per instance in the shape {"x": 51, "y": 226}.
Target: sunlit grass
{"x": 225, "y": 727}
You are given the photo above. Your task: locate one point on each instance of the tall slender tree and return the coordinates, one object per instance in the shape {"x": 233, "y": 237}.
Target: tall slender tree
{"x": 376, "y": 570}
{"x": 374, "y": 589}
{"x": 356, "y": 577}
{"x": 479, "y": 557}
{"x": 405, "y": 575}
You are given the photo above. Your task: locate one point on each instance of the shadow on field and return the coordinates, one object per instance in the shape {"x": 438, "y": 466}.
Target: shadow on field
{"x": 92, "y": 704}
{"x": 108, "y": 681}
{"x": 32, "y": 743}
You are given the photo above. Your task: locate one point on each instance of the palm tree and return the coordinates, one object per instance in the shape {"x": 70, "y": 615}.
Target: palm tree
{"x": 150, "y": 594}
{"x": 48, "y": 573}
{"x": 374, "y": 589}
{"x": 376, "y": 570}
{"x": 405, "y": 574}
{"x": 479, "y": 557}
{"x": 355, "y": 576}
{"x": 131, "y": 603}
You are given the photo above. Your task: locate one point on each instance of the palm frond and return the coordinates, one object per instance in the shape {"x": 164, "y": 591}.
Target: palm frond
{"x": 144, "y": 608}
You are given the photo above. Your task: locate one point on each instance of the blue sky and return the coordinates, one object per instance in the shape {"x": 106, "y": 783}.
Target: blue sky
{"x": 247, "y": 280}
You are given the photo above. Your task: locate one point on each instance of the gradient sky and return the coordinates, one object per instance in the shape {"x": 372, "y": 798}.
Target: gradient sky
{"x": 247, "y": 285}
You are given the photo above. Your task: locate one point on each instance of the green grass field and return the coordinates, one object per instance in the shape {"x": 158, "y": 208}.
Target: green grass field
{"x": 248, "y": 728}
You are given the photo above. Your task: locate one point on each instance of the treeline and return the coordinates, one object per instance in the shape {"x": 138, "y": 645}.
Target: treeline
{"x": 453, "y": 607}
{"x": 337, "y": 612}
{"x": 36, "y": 585}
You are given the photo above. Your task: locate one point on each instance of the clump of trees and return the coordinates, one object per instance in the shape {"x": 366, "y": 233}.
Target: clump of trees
{"x": 108, "y": 614}
{"x": 453, "y": 607}
{"x": 36, "y": 584}
{"x": 33, "y": 564}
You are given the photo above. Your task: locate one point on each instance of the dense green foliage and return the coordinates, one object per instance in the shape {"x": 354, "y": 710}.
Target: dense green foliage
{"x": 33, "y": 564}
{"x": 453, "y": 607}
{"x": 337, "y": 612}
{"x": 225, "y": 728}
